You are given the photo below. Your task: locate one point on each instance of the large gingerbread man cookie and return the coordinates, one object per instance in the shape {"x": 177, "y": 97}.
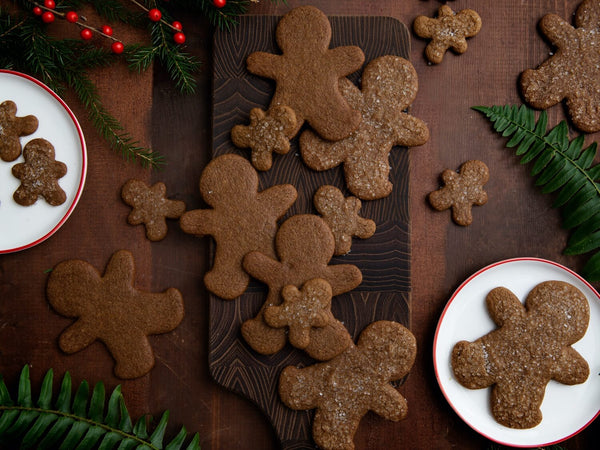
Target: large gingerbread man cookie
{"x": 344, "y": 389}
{"x": 389, "y": 86}
{"x": 110, "y": 309}
{"x": 241, "y": 220}
{"x": 531, "y": 347}
{"x": 304, "y": 246}
{"x": 12, "y": 128}
{"x": 572, "y": 72}
{"x": 308, "y": 71}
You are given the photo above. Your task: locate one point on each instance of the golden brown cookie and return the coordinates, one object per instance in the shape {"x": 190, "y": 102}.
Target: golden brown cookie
{"x": 240, "y": 219}
{"x": 530, "y": 347}
{"x": 11, "y": 128}
{"x": 301, "y": 310}
{"x": 307, "y": 73}
{"x": 461, "y": 191}
{"x": 267, "y": 133}
{"x": 344, "y": 389}
{"x": 341, "y": 214}
{"x": 448, "y": 30}
{"x": 39, "y": 175}
{"x": 150, "y": 207}
{"x": 305, "y": 247}
{"x": 110, "y": 309}
{"x": 389, "y": 86}
{"x": 572, "y": 72}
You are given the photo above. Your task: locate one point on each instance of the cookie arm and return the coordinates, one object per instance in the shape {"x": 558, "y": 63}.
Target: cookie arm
{"x": 557, "y": 30}
{"x": 343, "y": 278}
{"x": 348, "y": 59}
{"x": 199, "y": 222}
{"x": 263, "y": 64}
{"x": 409, "y": 131}
{"x": 261, "y": 267}
{"x": 299, "y": 388}
{"x": 164, "y": 311}
{"x": 570, "y": 368}
{"x": 389, "y": 404}
{"x": 279, "y": 198}
{"x": 319, "y": 154}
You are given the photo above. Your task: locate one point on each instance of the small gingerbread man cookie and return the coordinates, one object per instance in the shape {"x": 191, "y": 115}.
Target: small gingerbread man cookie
{"x": 241, "y": 220}
{"x": 461, "y": 191}
{"x": 344, "y": 389}
{"x": 39, "y": 175}
{"x": 110, "y": 309}
{"x": 305, "y": 247}
{"x": 302, "y": 310}
{"x": 308, "y": 71}
{"x": 572, "y": 72}
{"x": 13, "y": 127}
{"x": 531, "y": 347}
{"x": 341, "y": 214}
{"x": 389, "y": 86}
{"x": 448, "y": 30}
{"x": 150, "y": 207}
{"x": 267, "y": 133}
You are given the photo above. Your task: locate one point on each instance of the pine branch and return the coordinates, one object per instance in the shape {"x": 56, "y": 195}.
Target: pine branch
{"x": 71, "y": 422}
{"x": 561, "y": 166}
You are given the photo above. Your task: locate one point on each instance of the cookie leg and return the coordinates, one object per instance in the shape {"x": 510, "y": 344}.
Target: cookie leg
{"x": 133, "y": 356}
{"x": 517, "y": 405}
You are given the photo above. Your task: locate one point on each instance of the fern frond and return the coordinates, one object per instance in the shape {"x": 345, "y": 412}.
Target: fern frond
{"x": 79, "y": 423}
{"x": 561, "y": 166}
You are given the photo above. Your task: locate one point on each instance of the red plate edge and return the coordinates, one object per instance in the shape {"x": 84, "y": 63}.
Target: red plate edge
{"x": 83, "y": 165}
{"x": 435, "y": 368}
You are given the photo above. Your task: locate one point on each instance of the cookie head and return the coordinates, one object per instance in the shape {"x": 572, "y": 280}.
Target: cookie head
{"x": 218, "y": 187}
{"x": 307, "y": 25}
{"x": 301, "y": 232}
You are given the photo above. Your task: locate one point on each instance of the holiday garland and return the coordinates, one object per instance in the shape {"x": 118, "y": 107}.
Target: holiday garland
{"x": 66, "y": 63}
{"x": 561, "y": 166}
{"x": 71, "y": 422}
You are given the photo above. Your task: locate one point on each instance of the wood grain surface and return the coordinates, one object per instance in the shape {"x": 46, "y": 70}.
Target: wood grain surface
{"x": 517, "y": 221}
{"x": 384, "y": 259}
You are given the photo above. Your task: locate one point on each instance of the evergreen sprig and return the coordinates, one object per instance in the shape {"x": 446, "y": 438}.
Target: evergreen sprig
{"x": 78, "y": 422}
{"x": 561, "y": 166}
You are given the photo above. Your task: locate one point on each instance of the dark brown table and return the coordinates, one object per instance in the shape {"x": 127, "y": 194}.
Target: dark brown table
{"x": 517, "y": 221}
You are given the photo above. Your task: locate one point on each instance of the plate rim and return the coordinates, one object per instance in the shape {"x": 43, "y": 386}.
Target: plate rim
{"x": 439, "y": 324}
{"x": 84, "y": 162}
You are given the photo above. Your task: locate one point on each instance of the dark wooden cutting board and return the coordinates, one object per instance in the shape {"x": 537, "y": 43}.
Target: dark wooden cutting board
{"x": 384, "y": 259}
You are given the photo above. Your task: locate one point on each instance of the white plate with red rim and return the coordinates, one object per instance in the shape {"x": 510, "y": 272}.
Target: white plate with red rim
{"x": 566, "y": 409}
{"x": 22, "y": 227}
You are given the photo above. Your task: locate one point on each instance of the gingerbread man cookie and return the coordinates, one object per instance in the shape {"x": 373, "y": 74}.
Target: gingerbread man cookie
{"x": 241, "y": 220}
{"x": 150, "y": 207}
{"x": 461, "y": 191}
{"x": 531, "y": 347}
{"x": 308, "y": 71}
{"x": 341, "y": 214}
{"x": 110, "y": 309}
{"x": 344, "y": 389}
{"x": 302, "y": 310}
{"x": 389, "y": 86}
{"x": 304, "y": 246}
{"x": 448, "y": 30}
{"x": 572, "y": 72}
{"x": 267, "y": 133}
{"x": 39, "y": 175}
{"x": 11, "y": 128}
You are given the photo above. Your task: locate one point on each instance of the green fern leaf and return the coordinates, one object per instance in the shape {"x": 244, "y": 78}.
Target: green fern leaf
{"x": 560, "y": 166}
{"x": 77, "y": 424}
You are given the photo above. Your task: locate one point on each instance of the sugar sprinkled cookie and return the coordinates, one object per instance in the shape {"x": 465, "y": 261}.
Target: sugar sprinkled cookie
{"x": 307, "y": 73}
{"x": 39, "y": 175}
{"x": 345, "y": 388}
{"x": 448, "y": 30}
{"x": 571, "y": 73}
{"x": 241, "y": 219}
{"x": 109, "y": 308}
{"x": 151, "y": 207}
{"x": 12, "y": 128}
{"x": 530, "y": 347}
{"x": 389, "y": 86}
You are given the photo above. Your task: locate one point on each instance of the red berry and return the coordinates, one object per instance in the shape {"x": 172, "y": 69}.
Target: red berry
{"x": 179, "y": 37}
{"x": 117, "y": 47}
{"x": 107, "y": 30}
{"x": 72, "y": 17}
{"x": 219, "y": 3}
{"x": 47, "y": 17}
{"x": 86, "y": 34}
{"x": 154, "y": 14}
{"x": 50, "y": 4}
{"x": 37, "y": 11}
{"x": 177, "y": 25}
